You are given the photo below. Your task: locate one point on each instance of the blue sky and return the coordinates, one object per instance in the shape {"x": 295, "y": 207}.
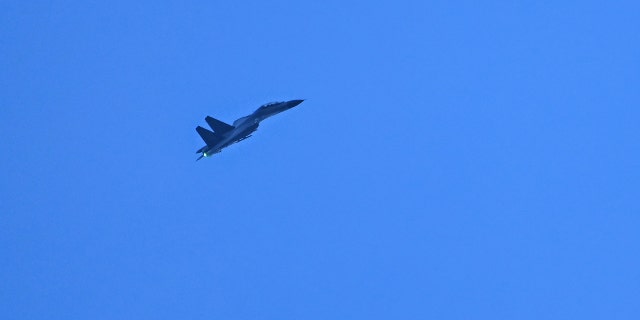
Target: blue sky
{"x": 452, "y": 160}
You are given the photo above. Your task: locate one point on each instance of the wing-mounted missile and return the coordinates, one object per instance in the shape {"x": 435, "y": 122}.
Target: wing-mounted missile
{"x": 245, "y": 137}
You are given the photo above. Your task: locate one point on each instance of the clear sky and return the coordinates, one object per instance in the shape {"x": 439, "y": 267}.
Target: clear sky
{"x": 452, "y": 160}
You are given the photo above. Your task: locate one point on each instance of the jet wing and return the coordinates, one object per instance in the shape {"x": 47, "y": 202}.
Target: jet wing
{"x": 210, "y": 138}
{"x": 217, "y": 125}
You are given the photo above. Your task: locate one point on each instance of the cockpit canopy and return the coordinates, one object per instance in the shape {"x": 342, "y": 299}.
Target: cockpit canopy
{"x": 269, "y": 104}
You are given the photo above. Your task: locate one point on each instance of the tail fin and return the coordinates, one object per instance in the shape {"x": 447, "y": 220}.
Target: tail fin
{"x": 217, "y": 125}
{"x": 210, "y": 138}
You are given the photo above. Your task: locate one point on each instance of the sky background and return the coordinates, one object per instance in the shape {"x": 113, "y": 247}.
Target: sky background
{"x": 452, "y": 160}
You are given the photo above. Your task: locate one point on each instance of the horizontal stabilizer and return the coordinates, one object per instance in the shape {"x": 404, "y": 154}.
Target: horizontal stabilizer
{"x": 210, "y": 138}
{"x": 217, "y": 125}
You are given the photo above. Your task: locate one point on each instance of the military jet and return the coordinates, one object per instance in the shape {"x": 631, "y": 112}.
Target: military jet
{"x": 224, "y": 135}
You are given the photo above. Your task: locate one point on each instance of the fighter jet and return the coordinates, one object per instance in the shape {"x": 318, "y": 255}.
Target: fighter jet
{"x": 224, "y": 135}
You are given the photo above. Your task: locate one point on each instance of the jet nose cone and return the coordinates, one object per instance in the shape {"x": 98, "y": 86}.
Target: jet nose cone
{"x": 295, "y": 102}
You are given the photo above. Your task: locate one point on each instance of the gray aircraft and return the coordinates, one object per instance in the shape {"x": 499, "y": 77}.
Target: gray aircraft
{"x": 224, "y": 135}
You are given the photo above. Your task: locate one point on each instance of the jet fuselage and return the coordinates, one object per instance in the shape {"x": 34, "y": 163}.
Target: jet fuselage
{"x": 241, "y": 129}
